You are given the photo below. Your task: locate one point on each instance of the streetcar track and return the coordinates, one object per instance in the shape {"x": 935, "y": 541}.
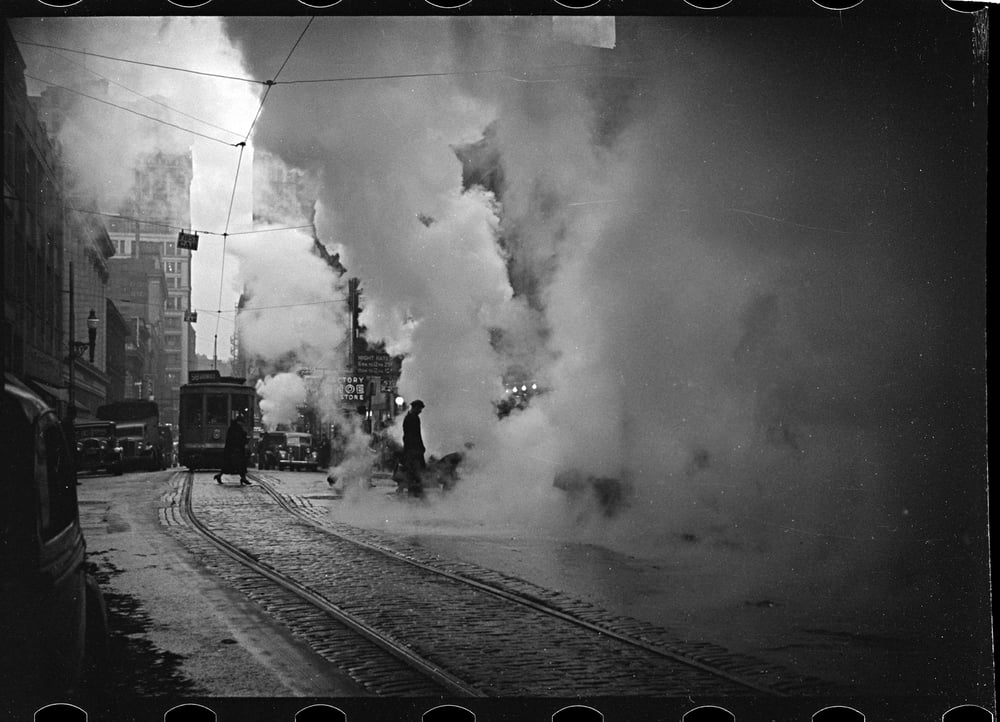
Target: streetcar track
{"x": 731, "y": 670}
{"x": 518, "y": 598}
{"x": 447, "y": 681}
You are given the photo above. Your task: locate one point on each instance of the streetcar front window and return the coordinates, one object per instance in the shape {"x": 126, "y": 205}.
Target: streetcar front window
{"x": 191, "y": 411}
{"x": 241, "y": 407}
{"x": 217, "y": 409}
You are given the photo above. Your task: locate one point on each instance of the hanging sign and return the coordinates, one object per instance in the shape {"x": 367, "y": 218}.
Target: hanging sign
{"x": 187, "y": 240}
{"x": 376, "y": 364}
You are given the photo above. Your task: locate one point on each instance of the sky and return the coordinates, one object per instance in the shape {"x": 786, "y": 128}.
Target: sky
{"x": 744, "y": 257}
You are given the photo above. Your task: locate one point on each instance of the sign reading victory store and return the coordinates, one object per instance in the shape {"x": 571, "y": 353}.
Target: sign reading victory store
{"x": 353, "y": 388}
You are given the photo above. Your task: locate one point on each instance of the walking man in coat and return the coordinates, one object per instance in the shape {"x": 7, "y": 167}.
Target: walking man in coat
{"x": 234, "y": 454}
{"x": 413, "y": 449}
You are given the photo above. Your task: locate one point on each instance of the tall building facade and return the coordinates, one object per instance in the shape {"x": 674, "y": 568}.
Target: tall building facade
{"x": 148, "y": 228}
{"x": 88, "y": 250}
{"x": 34, "y": 230}
{"x": 138, "y": 287}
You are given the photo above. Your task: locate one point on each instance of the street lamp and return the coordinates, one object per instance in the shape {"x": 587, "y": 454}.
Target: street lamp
{"x": 78, "y": 348}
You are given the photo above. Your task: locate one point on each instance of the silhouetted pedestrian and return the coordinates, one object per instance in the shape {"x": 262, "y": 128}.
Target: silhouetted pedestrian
{"x": 234, "y": 454}
{"x": 413, "y": 449}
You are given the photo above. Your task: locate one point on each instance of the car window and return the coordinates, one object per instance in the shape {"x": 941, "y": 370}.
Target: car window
{"x": 92, "y": 432}
{"x": 55, "y": 478}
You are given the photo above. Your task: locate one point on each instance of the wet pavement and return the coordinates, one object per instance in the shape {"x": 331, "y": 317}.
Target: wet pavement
{"x": 178, "y": 632}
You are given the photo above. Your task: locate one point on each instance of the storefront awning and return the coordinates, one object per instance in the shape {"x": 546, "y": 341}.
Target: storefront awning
{"x": 51, "y": 393}
{"x": 54, "y": 395}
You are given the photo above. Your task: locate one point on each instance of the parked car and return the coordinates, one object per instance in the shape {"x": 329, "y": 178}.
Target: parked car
{"x": 53, "y": 620}
{"x": 268, "y": 449}
{"x": 97, "y": 447}
{"x": 297, "y": 452}
{"x": 140, "y": 442}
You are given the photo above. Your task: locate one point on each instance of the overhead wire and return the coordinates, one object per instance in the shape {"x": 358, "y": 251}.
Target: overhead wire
{"x": 159, "y": 224}
{"x": 128, "y": 110}
{"x": 504, "y": 72}
{"x": 290, "y": 305}
{"x": 269, "y": 84}
{"x": 139, "y": 62}
{"x": 137, "y": 93}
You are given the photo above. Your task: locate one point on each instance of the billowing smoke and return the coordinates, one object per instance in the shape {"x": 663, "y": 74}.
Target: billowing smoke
{"x": 281, "y": 395}
{"x": 292, "y": 322}
{"x": 730, "y": 283}
{"x": 722, "y": 250}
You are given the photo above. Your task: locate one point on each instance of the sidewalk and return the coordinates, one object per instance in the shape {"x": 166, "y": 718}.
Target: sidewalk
{"x": 221, "y": 642}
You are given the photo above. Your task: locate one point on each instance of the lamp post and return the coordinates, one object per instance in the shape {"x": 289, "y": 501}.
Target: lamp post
{"x": 78, "y": 348}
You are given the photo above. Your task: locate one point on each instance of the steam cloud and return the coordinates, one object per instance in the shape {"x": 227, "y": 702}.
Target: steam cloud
{"x": 727, "y": 281}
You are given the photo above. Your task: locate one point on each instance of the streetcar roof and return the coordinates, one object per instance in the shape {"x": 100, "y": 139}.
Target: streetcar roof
{"x": 216, "y": 386}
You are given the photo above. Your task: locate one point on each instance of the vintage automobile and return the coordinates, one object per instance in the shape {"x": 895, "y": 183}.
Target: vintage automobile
{"x": 268, "y": 448}
{"x": 297, "y": 452}
{"x": 53, "y": 620}
{"x": 140, "y": 442}
{"x": 97, "y": 447}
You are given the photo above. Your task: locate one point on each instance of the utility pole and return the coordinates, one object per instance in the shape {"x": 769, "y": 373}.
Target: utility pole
{"x": 72, "y": 338}
{"x": 352, "y": 301}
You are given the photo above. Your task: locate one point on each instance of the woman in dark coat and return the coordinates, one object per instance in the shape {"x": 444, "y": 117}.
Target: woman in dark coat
{"x": 234, "y": 455}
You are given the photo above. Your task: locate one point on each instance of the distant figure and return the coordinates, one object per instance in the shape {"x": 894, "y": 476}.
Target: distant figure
{"x": 323, "y": 455}
{"x": 413, "y": 449}
{"x": 234, "y": 455}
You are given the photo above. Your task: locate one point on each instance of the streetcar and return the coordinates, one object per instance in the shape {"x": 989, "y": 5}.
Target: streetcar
{"x": 209, "y": 401}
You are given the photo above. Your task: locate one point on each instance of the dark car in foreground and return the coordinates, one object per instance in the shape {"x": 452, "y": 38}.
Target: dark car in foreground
{"x": 97, "y": 447}
{"x": 53, "y": 621}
